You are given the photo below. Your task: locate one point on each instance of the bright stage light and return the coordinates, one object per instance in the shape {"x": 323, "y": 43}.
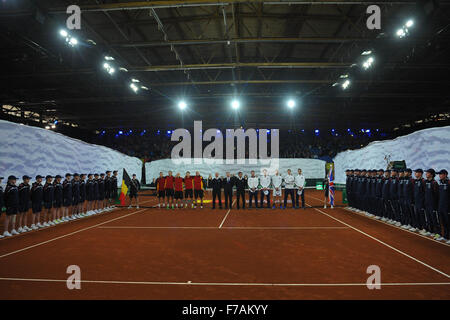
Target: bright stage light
{"x": 401, "y": 33}
{"x": 346, "y": 84}
{"x": 134, "y": 87}
{"x": 135, "y": 80}
{"x": 73, "y": 42}
{"x": 235, "y": 104}
{"x": 109, "y": 58}
{"x": 409, "y": 23}
{"x": 366, "y": 53}
{"x": 368, "y": 63}
{"x": 182, "y": 105}
{"x": 291, "y": 104}
{"x": 63, "y": 33}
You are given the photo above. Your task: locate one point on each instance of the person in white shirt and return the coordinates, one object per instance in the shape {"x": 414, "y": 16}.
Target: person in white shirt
{"x": 253, "y": 183}
{"x": 264, "y": 181}
{"x": 289, "y": 185}
{"x": 300, "y": 186}
{"x": 277, "y": 180}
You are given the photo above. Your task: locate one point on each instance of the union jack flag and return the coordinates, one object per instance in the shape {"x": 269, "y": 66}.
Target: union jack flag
{"x": 331, "y": 187}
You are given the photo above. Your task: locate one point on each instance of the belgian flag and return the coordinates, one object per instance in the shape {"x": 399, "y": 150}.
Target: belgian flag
{"x": 126, "y": 181}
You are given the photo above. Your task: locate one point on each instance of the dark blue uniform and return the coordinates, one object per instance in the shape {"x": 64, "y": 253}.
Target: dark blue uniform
{"x": 82, "y": 190}
{"x": 407, "y": 200}
{"x": 393, "y": 198}
{"x": 67, "y": 193}
{"x": 96, "y": 193}
{"x": 37, "y": 195}
{"x": 387, "y": 209}
{"x": 101, "y": 189}
{"x": 57, "y": 194}
{"x": 90, "y": 190}
{"x": 419, "y": 203}
{"x": 2, "y": 201}
{"x": 431, "y": 202}
{"x": 113, "y": 191}
{"x": 11, "y": 199}
{"x": 24, "y": 197}
{"x": 379, "y": 195}
{"x": 75, "y": 192}
{"x": 443, "y": 206}
{"x": 49, "y": 194}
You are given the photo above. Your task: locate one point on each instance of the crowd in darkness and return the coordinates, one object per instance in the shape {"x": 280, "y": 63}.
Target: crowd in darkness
{"x": 154, "y": 145}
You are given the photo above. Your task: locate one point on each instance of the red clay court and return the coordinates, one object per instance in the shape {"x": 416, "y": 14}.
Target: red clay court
{"x": 152, "y": 253}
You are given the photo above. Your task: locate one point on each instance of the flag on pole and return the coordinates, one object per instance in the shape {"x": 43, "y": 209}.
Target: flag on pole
{"x": 331, "y": 186}
{"x": 126, "y": 181}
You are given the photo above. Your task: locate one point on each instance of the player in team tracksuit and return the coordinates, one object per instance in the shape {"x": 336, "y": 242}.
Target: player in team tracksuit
{"x": 160, "y": 182}
{"x": 114, "y": 187}
{"x": 198, "y": 189}
{"x": 378, "y": 194}
{"x": 37, "y": 196}
{"x": 419, "y": 200}
{"x": 348, "y": 182}
{"x": 240, "y": 184}
{"x": 401, "y": 174}
{"x": 387, "y": 215}
{"x": 24, "y": 204}
{"x": 96, "y": 193}
{"x": 373, "y": 193}
{"x": 135, "y": 186}
{"x": 108, "y": 190}
{"x": 67, "y": 197}
{"x": 49, "y": 193}
{"x": 431, "y": 203}
{"x": 362, "y": 190}
{"x": 82, "y": 202}
{"x": 57, "y": 198}
{"x": 264, "y": 181}
{"x": 168, "y": 189}
{"x": 11, "y": 197}
{"x": 188, "y": 190}
{"x": 299, "y": 189}
{"x": 101, "y": 192}
{"x": 408, "y": 193}
{"x": 75, "y": 195}
{"x": 178, "y": 185}
{"x": 277, "y": 181}
{"x": 393, "y": 197}
{"x": 216, "y": 185}
{"x": 253, "y": 183}
{"x": 90, "y": 196}
{"x": 289, "y": 182}
{"x": 228, "y": 182}
{"x": 443, "y": 206}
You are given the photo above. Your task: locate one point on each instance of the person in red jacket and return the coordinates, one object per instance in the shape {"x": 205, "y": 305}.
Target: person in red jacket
{"x": 160, "y": 189}
{"x": 198, "y": 189}
{"x": 188, "y": 192}
{"x": 168, "y": 187}
{"x": 178, "y": 187}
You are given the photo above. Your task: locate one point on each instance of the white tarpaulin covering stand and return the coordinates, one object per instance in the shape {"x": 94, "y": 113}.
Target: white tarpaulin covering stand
{"x": 312, "y": 168}
{"x": 428, "y": 148}
{"x": 26, "y": 150}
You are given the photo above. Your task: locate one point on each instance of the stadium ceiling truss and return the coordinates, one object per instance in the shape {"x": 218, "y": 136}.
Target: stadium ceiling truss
{"x": 211, "y": 51}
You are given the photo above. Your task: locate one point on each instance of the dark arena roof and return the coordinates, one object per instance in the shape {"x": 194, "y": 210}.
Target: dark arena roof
{"x": 210, "y": 52}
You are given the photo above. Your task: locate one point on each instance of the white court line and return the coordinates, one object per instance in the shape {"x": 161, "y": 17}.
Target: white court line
{"x": 390, "y": 225}
{"x": 385, "y": 244}
{"x": 243, "y": 228}
{"x": 223, "y": 221}
{"x": 68, "y": 234}
{"x": 249, "y": 284}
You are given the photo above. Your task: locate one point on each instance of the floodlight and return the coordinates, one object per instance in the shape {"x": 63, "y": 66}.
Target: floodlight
{"x": 346, "y": 84}
{"x": 409, "y": 23}
{"x": 401, "y": 33}
{"x": 182, "y": 105}
{"x": 109, "y": 58}
{"x": 63, "y": 33}
{"x": 134, "y": 87}
{"x": 291, "y": 104}
{"x": 235, "y": 104}
{"x": 73, "y": 42}
{"x": 366, "y": 53}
